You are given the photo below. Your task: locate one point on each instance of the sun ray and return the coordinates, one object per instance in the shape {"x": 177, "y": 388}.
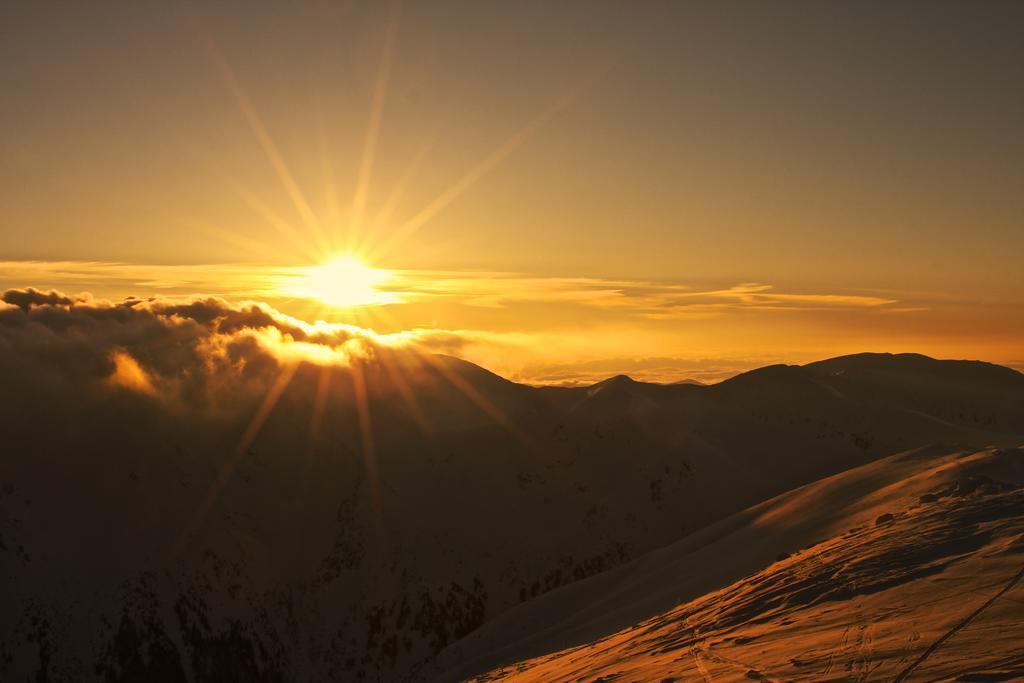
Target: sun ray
{"x": 363, "y": 412}
{"x": 282, "y": 226}
{"x": 442, "y": 201}
{"x": 362, "y": 401}
{"x": 375, "y": 317}
{"x": 333, "y": 206}
{"x": 305, "y": 248}
{"x": 316, "y": 415}
{"x": 397, "y": 376}
{"x": 263, "y": 136}
{"x": 362, "y": 189}
{"x": 481, "y": 401}
{"x": 405, "y": 180}
{"x": 226, "y": 471}
{"x": 254, "y": 248}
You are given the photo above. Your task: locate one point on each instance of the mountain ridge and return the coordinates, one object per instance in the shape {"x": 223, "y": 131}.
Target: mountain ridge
{"x": 628, "y": 621}
{"x": 417, "y": 531}
{"x": 874, "y": 361}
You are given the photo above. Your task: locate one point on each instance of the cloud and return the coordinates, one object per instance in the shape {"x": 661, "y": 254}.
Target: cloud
{"x": 477, "y": 289}
{"x": 116, "y": 379}
{"x": 27, "y": 298}
{"x": 129, "y": 374}
{"x": 657, "y": 300}
{"x": 206, "y": 354}
{"x": 201, "y": 353}
{"x": 118, "y": 279}
{"x": 528, "y": 327}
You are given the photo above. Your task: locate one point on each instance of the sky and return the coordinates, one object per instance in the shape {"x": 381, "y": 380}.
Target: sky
{"x": 574, "y": 189}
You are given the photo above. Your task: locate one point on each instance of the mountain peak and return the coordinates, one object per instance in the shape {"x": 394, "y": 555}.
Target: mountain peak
{"x": 617, "y": 380}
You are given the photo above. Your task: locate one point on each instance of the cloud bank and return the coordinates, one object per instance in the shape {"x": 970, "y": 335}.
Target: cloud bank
{"x": 199, "y": 352}
{"x": 479, "y": 289}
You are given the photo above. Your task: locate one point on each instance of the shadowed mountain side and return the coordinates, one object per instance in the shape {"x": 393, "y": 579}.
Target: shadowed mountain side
{"x": 962, "y": 392}
{"x": 230, "y": 515}
{"x": 854, "y": 575}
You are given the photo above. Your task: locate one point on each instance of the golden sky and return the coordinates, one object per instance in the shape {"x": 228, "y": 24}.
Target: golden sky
{"x": 572, "y": 189}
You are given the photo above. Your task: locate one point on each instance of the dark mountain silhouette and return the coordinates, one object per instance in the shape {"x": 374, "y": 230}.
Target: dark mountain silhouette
{"x": 906, "y": 568}
{"x": 342, "y": 539}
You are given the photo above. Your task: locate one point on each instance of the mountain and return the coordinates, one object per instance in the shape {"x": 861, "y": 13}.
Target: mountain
{"x": 307, "y": 522}
{"x": 907, "y": 568}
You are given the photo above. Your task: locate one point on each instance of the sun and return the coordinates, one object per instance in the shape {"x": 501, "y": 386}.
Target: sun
{"x": 342, "y": 282}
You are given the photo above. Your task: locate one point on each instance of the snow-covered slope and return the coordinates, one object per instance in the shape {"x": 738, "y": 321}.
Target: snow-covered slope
{"x": 194, "y": 541}
{"x": 908, "y": 568}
